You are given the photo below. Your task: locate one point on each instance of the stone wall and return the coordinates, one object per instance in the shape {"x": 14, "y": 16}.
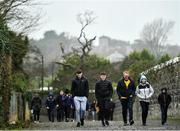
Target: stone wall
{"x": 163, "y": 75}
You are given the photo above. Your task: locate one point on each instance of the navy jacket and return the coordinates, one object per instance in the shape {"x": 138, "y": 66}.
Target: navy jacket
{"x": 126, "y": 92}
{"x": 51, "y": 103}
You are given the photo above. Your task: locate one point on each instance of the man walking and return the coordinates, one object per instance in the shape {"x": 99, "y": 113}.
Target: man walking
{"x": 126, "y": 92}
{"x": 80, "y": 90}
{"x": 103, "y": 92}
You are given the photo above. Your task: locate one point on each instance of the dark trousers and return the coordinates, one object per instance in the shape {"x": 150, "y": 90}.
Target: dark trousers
{"x": 164, "y": 109}
{"x": 51, "y": 115}
{"x": 67, "y": 111}
{"x": 127, "y": 105}
{"x": 111, "y": 115}
{"x": 145, "y": 108}
{"x": 36, "y": 113}
{"x": 104, "y": 109}
{"x": 60, "y": 115}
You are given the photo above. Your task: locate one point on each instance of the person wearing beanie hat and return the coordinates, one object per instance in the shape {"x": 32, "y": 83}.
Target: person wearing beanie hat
{"x": 144, "y": 91}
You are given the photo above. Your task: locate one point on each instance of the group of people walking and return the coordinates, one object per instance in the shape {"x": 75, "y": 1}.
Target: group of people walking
{"x": 126, "y": 91}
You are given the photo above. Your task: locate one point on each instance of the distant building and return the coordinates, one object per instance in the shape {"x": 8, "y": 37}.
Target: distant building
{"x": 115, "y": 57}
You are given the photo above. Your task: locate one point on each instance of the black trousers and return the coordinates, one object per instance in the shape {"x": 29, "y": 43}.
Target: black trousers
{"x": 67, "y": 112}
{"x": 145, "y": 108}
{"x": 36, "y": 113}
{"x": 127, "y": 105}
{"x": 111, "y": 115}
{"x": 60, "y": 114}
{"x": 51, "y": 114}
{"x": 104, "y": 109}
{"x": 164, "y": 109}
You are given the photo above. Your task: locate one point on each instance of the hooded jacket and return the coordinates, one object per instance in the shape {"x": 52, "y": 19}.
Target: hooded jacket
{"x": 50, "y": 102}
{"x": 144, "y": 91}
{"x": 164, "y": 98}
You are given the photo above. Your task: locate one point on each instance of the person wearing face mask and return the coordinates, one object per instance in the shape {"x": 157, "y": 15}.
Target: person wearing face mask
{"x": 103, "y": 93}
{"x": 144, "y": 91}
{"x": 164, "y": 99}
{"x": 126, "y": 92}
{"x": 80, "y": 91}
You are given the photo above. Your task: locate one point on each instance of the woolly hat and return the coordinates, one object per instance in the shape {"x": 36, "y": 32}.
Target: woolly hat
{"x": 143, "y": 77}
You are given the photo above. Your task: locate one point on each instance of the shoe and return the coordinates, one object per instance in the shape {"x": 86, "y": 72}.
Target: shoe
{"x": 107, "y": 123}
{"x": 37, "y": 121}
{"x": 78, "y": 124}
{"x": 82, "y": 122}
{"x": 144, "y": 124}
{"x": 131, "y": 122}
{"x": 103, "y": 124}
{"x": 67, "y": 120}
{"x": 125, "y": 124}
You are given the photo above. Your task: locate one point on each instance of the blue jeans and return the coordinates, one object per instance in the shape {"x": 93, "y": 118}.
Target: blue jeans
{"x": 80, "y": 106}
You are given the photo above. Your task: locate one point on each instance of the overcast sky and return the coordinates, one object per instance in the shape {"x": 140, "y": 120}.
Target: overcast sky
{"x": 119, "y": 19}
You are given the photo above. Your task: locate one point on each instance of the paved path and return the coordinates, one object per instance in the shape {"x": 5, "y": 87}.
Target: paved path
{"x": 114, "y": 125}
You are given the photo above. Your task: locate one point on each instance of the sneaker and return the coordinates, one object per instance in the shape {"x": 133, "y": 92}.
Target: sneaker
{"x": 144, "y": 124}
{"x": 103, "y": 124}
{"x": 125, "y": 124}
{"x": 107, "y": 123}
{"x": 82, "y": 122}
{"x": 131, "y": 122}
{"x": 78, "y": 124}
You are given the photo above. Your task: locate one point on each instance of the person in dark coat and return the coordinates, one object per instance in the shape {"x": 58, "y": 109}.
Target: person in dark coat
{"x": 80, "y": 91}
{"x": 50, "y": 106}
{"x": 67, "y": 105}
{"x": 60, "y": 106}
{"x": 36, "y": 105}
{"x": 103, "y": 93}
{"x": 164, "y": 99}
{"x": 126, "y": 92}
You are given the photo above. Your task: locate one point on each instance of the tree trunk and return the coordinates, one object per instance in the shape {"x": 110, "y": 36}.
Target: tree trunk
{"x": 6, "y": 85}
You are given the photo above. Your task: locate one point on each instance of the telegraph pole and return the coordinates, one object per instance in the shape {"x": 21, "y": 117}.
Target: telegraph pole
{"x": 42, "y": 72}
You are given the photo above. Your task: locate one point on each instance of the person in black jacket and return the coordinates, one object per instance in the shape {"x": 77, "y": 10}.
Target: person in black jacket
{"x": 103, "y": 92}
{"x": 126, "y": 92}
{"x": 36, "y": 105}
{"x": 164, "y": 99}
{"x": 50, "y": 106}
{"x": 79, "y": 91}
{"x": 60, "y": 106}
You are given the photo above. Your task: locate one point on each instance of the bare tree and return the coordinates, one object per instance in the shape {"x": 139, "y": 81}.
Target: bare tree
{"x": 85, "y": 19}
{"x": 155, "y": 35}
{"x": 18, "y": 14}
{"x": 83, "y": 50}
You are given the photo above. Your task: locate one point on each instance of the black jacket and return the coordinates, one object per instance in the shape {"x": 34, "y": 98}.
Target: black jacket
{"x": 122, "y": 91}
{"x": 80, "y": 87}
{"x": 103, "y": 90}
{"x": 164, "y": 99}
{"x": 60, "y": 101}
{"x": 36, "y": 103}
